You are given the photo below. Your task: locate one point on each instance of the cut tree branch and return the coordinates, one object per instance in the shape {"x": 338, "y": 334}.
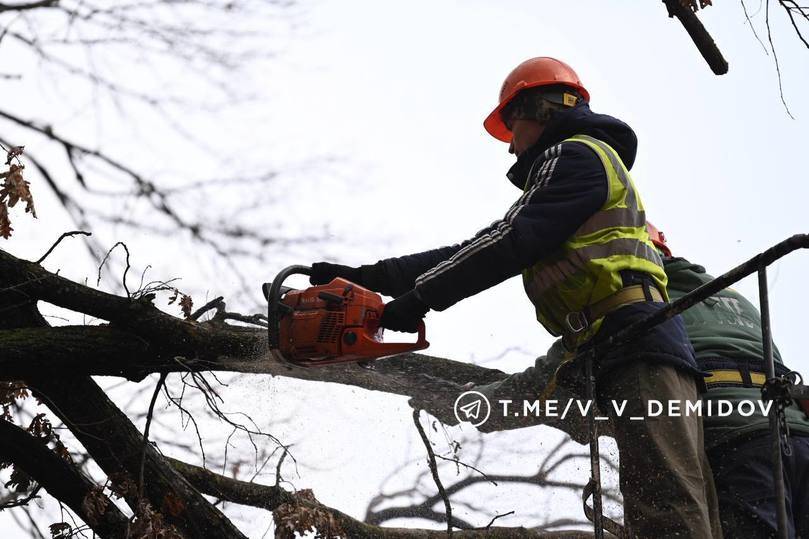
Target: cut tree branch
{"x": 699, "y": 35}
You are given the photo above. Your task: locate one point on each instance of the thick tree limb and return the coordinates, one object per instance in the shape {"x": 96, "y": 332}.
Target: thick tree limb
{"x": 96, "y": 350}
{"x": 61, "y": 479}
{"x": 143, "y": 339}
{"x": 116, "y": 445}
{"x": 232, "y": 490}
{"x": 107, "y": 434}
{"x": 271, "y": 498}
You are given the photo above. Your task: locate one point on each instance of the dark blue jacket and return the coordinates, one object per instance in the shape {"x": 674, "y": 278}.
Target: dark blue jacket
{"x": 571, "y": 185}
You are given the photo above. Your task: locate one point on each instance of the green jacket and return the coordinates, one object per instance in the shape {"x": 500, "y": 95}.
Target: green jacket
{"x": 725, "y": 328}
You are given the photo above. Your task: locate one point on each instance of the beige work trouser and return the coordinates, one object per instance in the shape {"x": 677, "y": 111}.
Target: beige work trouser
{"x": 665, "y": 477}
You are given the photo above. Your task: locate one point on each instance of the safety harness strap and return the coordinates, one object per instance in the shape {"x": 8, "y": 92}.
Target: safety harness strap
{"x": 578, "y": 321}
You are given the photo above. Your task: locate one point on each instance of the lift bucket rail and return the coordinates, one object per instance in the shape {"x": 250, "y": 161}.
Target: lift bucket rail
{"x": 779, "y": 389}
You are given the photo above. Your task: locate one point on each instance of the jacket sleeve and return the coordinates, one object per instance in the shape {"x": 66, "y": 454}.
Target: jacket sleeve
{"x": 396, "y": 276}
{"x": 568, "y": 184}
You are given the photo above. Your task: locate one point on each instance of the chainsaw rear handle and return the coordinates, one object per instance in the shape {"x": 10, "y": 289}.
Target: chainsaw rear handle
{"x": 275, "y": 308}
{"x": 393, "y": 348}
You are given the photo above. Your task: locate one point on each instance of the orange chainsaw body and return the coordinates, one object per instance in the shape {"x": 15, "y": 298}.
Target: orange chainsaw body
{"x": 333, "y": 323}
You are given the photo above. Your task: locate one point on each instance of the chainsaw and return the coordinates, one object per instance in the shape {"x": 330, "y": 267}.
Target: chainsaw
{"x": 326, "y": 324}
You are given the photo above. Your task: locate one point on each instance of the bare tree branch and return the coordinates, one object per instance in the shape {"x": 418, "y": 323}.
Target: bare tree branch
{"x": 775, "y": 57}
{"x": 63, "y": 236}
{"x": 434, "y": 470}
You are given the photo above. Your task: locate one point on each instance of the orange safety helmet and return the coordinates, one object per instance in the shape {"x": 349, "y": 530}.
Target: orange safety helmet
{"x": 541, "y": 71}
{"x": 658, "y": 238}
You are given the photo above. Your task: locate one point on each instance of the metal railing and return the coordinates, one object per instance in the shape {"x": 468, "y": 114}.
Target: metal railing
{"x": 780, "y": 389}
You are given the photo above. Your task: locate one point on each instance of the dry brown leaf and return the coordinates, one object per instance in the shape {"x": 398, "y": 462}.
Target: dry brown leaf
{"x": 95, "y": 504}
{"x": 9, "y": 393}
{"x": 186, "y": 303}
{"x": 40, "y": 427}
{"x": 19, "y": 480}
{"x": 14, "y": 189}
{"x": 60, "y": 530}
{"x": 293, "y": 518}
{"x": 62, "y": 451}
{"x": 149, "y": 525}
{"x": 122, "y": 485}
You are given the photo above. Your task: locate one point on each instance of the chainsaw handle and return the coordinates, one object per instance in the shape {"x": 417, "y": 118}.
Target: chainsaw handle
{"x": 393, "y": 348}
{"x": 274, "y": 306}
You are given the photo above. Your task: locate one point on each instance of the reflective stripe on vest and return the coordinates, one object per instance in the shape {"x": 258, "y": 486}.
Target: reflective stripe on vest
{"x": 586, "y": 268}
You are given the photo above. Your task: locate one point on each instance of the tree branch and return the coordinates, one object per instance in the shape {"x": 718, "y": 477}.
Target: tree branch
{"x": 434, "y": 471}
{"x": 60, "y": 478}
{"x": 143, "y": 339}
{"x": 273, "y": 497}
{"x": 27, "y": 6}
{"x": 116, "y": 445}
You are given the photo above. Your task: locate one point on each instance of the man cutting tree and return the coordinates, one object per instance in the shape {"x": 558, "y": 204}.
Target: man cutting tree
{"x": 577, "y": 234}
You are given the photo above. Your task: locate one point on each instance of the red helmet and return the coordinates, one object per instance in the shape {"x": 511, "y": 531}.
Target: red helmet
{"x": 541, "y": 71}
{"x": 658, "y": 238}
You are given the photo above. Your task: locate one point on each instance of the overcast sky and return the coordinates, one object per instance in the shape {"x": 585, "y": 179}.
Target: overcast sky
{"x": 398, "y": 92}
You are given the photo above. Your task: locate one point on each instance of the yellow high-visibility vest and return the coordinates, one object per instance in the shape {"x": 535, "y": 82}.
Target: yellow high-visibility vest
{"x": 585, "y": 269}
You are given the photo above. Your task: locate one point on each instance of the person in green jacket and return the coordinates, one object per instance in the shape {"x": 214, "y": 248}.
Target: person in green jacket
{"x": 725, "y": 331}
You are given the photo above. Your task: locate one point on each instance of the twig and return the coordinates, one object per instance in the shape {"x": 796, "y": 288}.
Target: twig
{"x": 753, "y": 28}
{"x": 34, "y": 529}
{"x": 489, "y": 525}
{"x": 63, "y": 236}
{"x": 106, "y": 256}
{"x": 434, "y": 470}
{"x": 278, "y": 467}
{"x": 142, "y": 277}
{"x": 146, "y": 432}
{"x": 775, "y": 57}
{"x": 792, "y": 20}
{"x": 179, "y": 404}
{"x": 23, "y": 501}
{"x": 465, "y": 465}
{"x": 207, "y": 307}
{"x": 255, "y": 319}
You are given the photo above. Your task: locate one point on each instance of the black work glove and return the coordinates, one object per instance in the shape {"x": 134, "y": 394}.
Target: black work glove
{"x": 324, "y": 272}
{"x": 404, "y": 313}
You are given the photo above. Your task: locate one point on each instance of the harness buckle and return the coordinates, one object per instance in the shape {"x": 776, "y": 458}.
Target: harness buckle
{"x": 576, "y": 321}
